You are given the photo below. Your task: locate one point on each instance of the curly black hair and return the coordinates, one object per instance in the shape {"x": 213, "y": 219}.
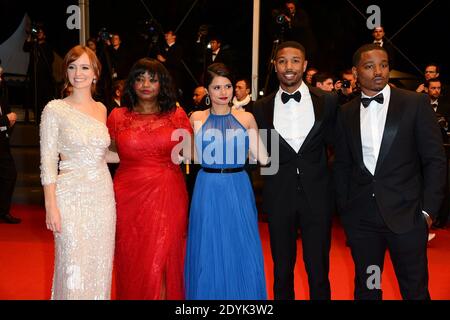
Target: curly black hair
{"x": 167, "y": 95}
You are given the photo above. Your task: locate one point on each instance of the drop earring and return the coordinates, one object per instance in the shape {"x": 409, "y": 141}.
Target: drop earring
{"x": 207, "y": 100}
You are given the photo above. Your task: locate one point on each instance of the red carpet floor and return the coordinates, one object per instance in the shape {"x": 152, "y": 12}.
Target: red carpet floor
{"x": 26, "y": 262}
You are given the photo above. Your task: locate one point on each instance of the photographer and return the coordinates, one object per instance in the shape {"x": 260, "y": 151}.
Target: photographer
{"x": 40, "y": 72}
{"x": 8, "y": 173}
{"x": 345, "y": 87}
{"x": 441, "y": 106}
{"x": 171, "y": 55}
{"x": 104, "y": 84}
{"x": 294, "y": 25}
{"x": 120, "y": 58}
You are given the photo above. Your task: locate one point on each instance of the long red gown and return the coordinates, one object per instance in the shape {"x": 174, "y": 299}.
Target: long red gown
{"x": 152, "y": 203}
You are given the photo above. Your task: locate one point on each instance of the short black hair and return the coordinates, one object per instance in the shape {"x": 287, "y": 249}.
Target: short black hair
{"x": 216, "y": 37}
{"x": 432, "y": 64}
{"x": 427, "y": 83}
{"x": 290, "y": 44}
{"x": 367, "y": 47}
{"x": 320, "y": 77}
{"x": 167, "y": 94}
{"x": 247, "y": 82}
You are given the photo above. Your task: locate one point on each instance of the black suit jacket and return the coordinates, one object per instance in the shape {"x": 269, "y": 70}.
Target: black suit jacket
{"x": 444, "y": 107}
{"x": 443, "y": 110}
{"x": 173, "y": 63}
{"x": 411, "y": 169}
{"x": 280, "y": 190}
{"x": 223, "y": 56}
{"x": 4, "y": 122}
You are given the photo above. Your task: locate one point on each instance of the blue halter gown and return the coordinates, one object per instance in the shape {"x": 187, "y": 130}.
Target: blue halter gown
{"x": 224, "y": 256}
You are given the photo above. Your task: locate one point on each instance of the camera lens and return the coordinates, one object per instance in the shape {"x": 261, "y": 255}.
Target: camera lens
{"x": 346, "y": 83}
{"x": 281, "y": 19}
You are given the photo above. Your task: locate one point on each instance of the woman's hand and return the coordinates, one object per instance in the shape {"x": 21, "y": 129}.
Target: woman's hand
{"x": 53, "y": 219}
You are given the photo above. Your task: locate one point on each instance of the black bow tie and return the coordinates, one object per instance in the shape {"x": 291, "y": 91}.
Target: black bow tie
{"x": 366, "y": 101}
{"x": 285, "y": 97}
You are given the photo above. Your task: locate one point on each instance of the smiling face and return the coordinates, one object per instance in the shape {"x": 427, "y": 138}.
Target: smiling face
{"x": 147, "y": 87}
{"x": 290, "y": 64}
{"x": 220, "y": 91}
{"x": 80, "y": 72}
{"x": 372, "y": 71}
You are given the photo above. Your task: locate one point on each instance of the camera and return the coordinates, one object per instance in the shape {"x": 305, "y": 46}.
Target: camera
{"x": 35, "y": 28}
{"x": 442, "y": 122}
{"x": 346, "y": 83}
{"x": 281, "y": 19}
{"x": 104, "y": 35}
{"x": 151, "y": 30}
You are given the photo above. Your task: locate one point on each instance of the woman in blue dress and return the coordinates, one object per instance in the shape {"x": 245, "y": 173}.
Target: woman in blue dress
{"x": 224, "y": 256}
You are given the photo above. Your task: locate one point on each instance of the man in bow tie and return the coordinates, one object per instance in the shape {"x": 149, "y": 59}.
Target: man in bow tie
{"x": 380, "y": 39}
{"x": 299, "y": 195}
{"x": 390, "y": 171}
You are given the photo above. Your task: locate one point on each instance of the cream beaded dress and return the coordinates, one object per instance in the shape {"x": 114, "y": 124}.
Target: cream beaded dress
{"x": 84, "y": 193}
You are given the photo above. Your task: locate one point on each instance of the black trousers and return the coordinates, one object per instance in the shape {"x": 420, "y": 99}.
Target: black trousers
{"x": 370, "y": 238}
{"x": 444, "y": 212}
{"x": 8, "y": 175}
{"x": 316, "y": 238}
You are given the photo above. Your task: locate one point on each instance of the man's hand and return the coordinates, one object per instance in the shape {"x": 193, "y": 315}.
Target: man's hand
{"x": 421, "y": 88}
{"x": 12, "y": 117}
{"x": 428, "y": 219}
{"x": 161, "y": 58}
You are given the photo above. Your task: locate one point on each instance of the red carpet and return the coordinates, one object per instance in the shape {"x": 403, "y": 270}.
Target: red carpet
{"x": 26, "y": 262}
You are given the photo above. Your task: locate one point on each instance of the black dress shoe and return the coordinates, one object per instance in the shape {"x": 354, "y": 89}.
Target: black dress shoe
{"x": 10, "y": 219}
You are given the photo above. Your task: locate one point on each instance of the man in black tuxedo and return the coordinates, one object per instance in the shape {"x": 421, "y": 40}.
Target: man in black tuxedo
{"x": 299, "y": 195}
{"x": 171, "y": 56}
{"x": 380, "y": 39}
{"x": 390, "y": 171}
{"x": 219, "y": 53}
{"x": 40, "y": 69}
{"x": 8, "y": 172}
{"x": 441, "y": 107}
{"x": 439, "y": 103}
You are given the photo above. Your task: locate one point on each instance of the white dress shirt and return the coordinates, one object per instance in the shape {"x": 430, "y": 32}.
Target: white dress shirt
{"x": 435, "y": 104}
{"x": 373, "y": 119}
{"x": 214, "y": 54}
{"x": 294, "y": 120}
{"x": 379, "y": 42}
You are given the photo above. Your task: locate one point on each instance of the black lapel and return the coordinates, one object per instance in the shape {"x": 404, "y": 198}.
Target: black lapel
{"x": 355, "y": 128}
{"x": 269, "y": 108}
{"x": 393, "y": 118}
{"x": 318, "y": 117}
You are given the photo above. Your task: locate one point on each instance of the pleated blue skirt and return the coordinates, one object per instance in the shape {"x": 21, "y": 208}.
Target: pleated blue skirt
{"x": 224, "y": 258}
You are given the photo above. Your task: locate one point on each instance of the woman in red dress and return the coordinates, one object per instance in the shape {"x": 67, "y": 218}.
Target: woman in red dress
{"x": 149, "y": 187}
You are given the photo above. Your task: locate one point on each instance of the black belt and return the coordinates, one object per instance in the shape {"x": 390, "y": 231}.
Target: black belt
{"x": 224, "y": 170}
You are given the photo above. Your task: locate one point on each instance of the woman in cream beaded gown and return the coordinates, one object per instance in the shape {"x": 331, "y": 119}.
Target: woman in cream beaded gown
{"x": 79, "y": 198}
